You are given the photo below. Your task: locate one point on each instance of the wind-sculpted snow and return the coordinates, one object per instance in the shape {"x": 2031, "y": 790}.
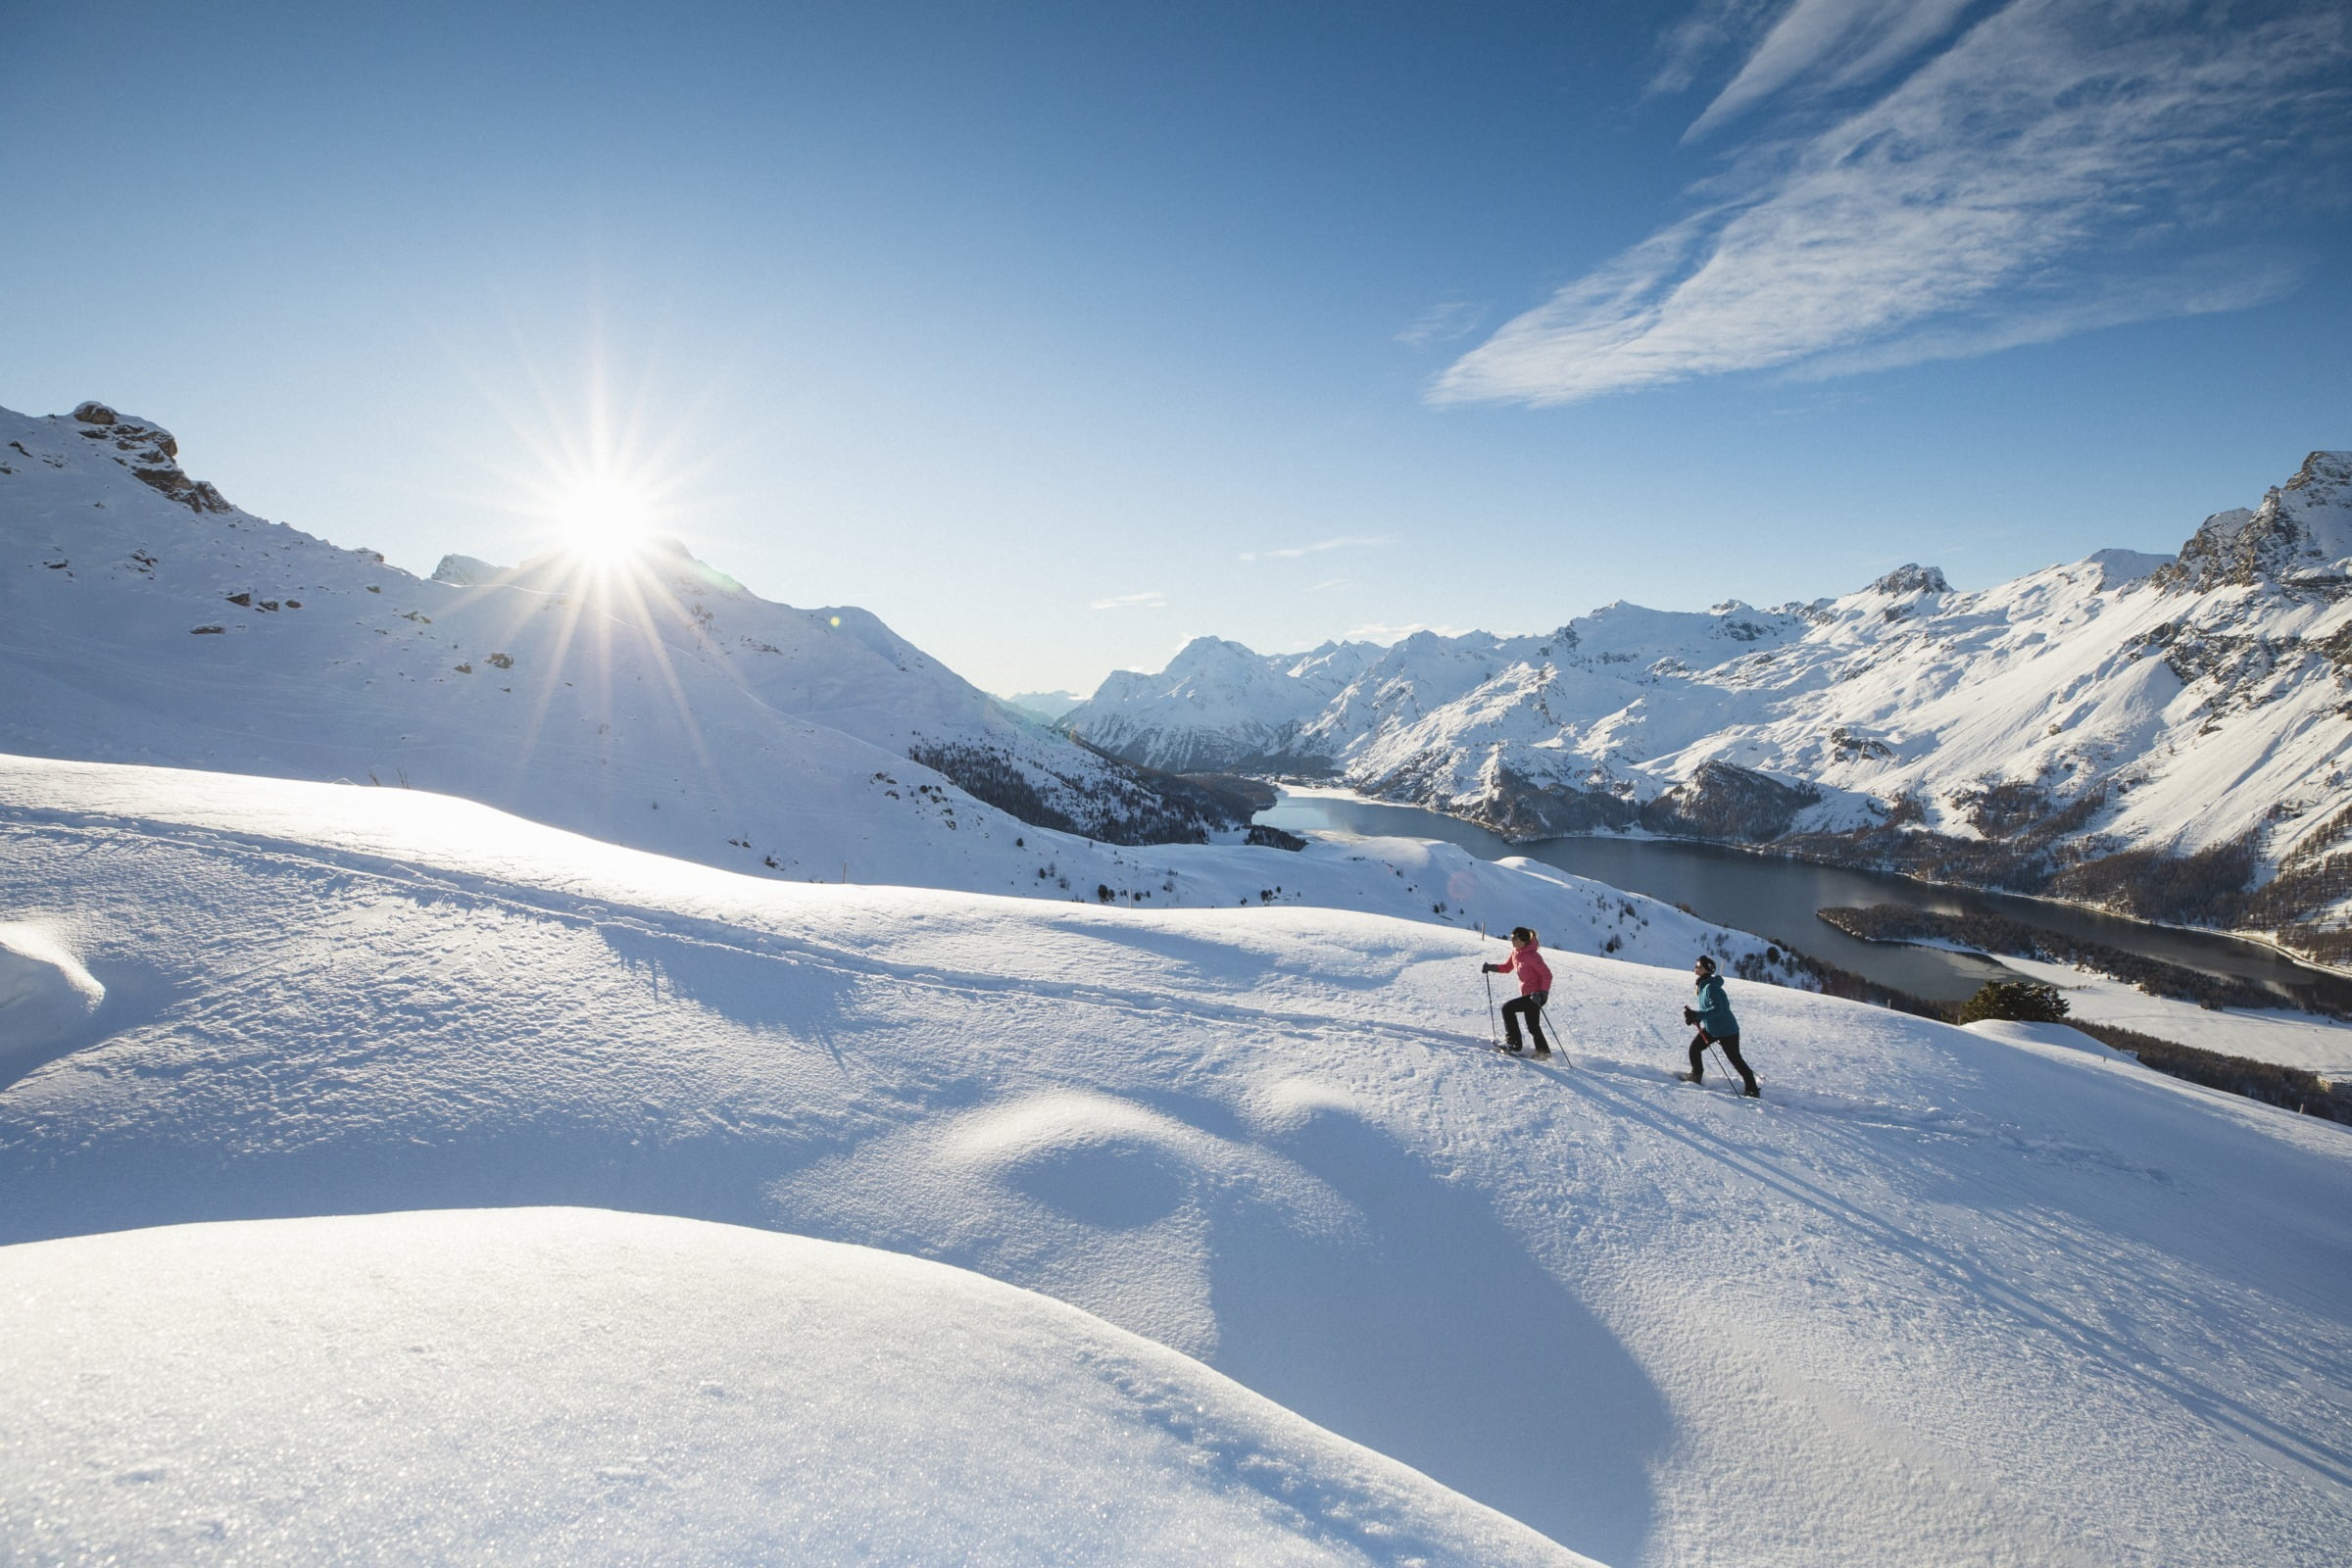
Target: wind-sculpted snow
{"x": 46, "y": 997}
{"x": 1941, "y": 1297}
{"x": 2125, "y": 702}
{"x": 573, "y": 1387}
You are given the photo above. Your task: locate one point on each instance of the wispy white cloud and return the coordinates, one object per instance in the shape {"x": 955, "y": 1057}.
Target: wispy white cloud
{"x": 2062, "y": 165}
{"x": 1443, "y": 322}
{"x": 1713, "y": 28}
{"x": 1331, "y": 585}
{"x": 1152, "y": 599}
{"x": 2232, "y": 280}
{"x": 1294, "y": 552}
{"x": 1831, "y": 44}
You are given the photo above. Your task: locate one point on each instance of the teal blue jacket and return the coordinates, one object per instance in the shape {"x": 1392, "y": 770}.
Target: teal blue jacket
{"x": 1715, "y": 1010}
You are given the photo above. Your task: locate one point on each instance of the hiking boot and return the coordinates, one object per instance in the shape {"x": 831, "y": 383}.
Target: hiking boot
{"x": 1543, "y": 1054}
{"x": 1689, "y": 1078}
{"x": 1752, "y": 1092}
{"x": 1515, "y": 1048}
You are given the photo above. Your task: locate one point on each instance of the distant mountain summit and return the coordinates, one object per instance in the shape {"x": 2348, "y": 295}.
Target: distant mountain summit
{"x": 1912, "y": 579}
{"x": 2300, "y": 534}
{"x": 1044, "y": 707}
{"x": 2169, "y": 736}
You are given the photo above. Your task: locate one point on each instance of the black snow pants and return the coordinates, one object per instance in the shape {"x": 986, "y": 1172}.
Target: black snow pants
{"x": 1730, "y": 1045}
{"x": 1530, "y": 1006}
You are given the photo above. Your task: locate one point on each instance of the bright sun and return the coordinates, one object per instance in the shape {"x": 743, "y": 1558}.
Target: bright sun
{"x": 603, "y": 520}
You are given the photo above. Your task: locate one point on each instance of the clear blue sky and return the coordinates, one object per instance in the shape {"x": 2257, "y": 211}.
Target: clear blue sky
{"x": 1058, "y": 335}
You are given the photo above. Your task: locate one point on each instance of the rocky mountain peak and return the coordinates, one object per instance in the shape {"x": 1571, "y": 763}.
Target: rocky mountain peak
{"x": 2301, "y": 533}
{"x": 1912, "y": 578}
{"x": 2326, "y": 475}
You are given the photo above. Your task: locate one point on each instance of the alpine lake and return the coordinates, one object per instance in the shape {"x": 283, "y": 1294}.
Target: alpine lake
{"x": 1775, "y": 896}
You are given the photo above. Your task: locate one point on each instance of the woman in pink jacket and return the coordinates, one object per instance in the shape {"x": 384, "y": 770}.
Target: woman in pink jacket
{"x": 1535, "y": 989}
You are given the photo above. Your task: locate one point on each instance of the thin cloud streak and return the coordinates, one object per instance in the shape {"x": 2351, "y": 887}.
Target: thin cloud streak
{"x": 2035, "y": 178}
{"x": 2234, "y": 282}
{"x": 1296, "y": 552}
{"x": 1443, "y": 322}
{"x": 1150, "y": 598}
{"x": 1847, "y": 42}
{"x": 1714, "y": 27}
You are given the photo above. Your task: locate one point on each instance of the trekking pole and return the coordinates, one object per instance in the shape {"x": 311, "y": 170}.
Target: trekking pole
{"x": 1729, "y": 1076}
{"x": 1493, "y": 1029}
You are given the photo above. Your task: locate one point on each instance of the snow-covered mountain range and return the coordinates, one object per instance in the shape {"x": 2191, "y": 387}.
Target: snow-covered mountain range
{"x": 2167, "y": 735}
{"x": 1944, "y": 1295}
{"x": 657, "y": 705}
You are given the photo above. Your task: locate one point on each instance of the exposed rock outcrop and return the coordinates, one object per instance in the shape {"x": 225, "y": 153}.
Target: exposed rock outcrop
{"x": 1729, "y": 803}
{"x": 151, "y": 454}
{"x": 1912, "y": 578}
{"x": 2301, "y": 534}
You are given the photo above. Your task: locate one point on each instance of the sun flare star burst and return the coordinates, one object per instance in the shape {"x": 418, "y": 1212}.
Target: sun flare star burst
{"x": 604, "y": 521}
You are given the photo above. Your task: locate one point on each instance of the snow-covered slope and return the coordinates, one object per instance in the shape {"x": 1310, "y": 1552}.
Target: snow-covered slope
{"x": 1942, "y": 1297}
{"x": 2024, "y": 735}
{"x": 144, "y": 618}
{"x": 572, "y": 1387}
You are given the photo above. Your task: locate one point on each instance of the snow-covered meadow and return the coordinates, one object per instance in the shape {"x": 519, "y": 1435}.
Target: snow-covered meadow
{"x": 1945, "y": 1296}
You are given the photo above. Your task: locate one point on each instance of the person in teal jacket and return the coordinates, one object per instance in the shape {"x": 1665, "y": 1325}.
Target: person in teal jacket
{"x": 1716, "y": 1026}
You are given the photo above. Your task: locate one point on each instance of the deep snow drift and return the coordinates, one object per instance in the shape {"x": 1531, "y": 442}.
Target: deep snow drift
{"x": 573, "y": 1387}
{"x": 1944, "y": 1296}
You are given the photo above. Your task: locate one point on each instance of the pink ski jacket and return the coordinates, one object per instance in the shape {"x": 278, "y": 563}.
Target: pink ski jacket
{"x": 1534, "y": 973}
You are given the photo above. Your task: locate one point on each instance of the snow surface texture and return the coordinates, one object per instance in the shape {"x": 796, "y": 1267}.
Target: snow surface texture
{"x": 2190, "y": 702}
{"x": 1942, "y": 1297}
{"x": 563, "y": 1385}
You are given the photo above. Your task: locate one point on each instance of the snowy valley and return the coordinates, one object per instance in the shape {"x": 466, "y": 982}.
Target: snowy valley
{"x": 2166, "y": 737}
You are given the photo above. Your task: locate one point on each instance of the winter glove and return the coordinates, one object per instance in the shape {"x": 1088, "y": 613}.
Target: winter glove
{"x": 1487, "y": 969}
{"x": 1690, "y": 1015}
